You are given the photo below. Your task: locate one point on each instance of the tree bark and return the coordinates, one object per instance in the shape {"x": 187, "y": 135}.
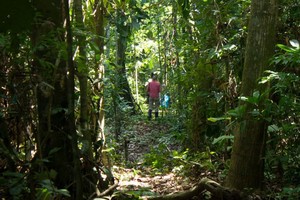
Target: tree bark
{"x": 54, "y": 97}
{"x": 82, "y": 74}
{"x": 199, "y": 105}
{"x": 100, "y": 69}
{"x": 247, "y": 163}
{"x": 71, "y": 108}
{"x": 123, "y": 35}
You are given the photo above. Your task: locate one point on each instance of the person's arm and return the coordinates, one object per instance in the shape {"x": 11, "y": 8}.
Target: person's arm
{"x": 159, "y": 90}
{"x": 148, "y": 89}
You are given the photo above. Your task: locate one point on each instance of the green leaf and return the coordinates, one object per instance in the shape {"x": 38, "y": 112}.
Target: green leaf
{"x": 13, "y": 174}
{"x": 215, "y": 119}
{"x": 256, "y": 94}
{"x": 96, "y": 97}
{"x": 64, "y": 192}
{"x": 238, "y": 111}
{"x": 222, "y": 138}
{"x": 273, "y": 128}
{"x": 272, "y": 75}
{"x": 286, "y": 48}
{"x": 54, "y": 150}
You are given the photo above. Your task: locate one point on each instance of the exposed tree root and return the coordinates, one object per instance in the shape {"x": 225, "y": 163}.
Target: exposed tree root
{"x": 206, "y": 187}
{"x": 106, "y": 192}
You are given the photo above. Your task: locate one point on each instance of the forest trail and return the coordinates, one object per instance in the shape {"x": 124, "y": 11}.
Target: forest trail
{"x": 139, "y": 177}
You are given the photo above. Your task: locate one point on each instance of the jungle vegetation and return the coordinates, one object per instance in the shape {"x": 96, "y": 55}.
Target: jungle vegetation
{"x": 73, "y": 102}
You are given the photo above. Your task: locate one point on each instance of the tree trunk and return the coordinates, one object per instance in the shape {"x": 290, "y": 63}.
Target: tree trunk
{"x": 247, "y": 163}
{"x": 71, "y": 107}
{"x": 100, "y": 69}
{"x": 82, "y": 74}
{"x": 199, "y": 105}
{"x": 90, "y": 180}
{"x": 123, "y": 35}
{"x": 55, "y": 106}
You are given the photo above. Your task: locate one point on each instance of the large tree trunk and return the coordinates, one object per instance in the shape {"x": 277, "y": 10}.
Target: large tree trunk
{"x": 247, "y": 163}
{"x": 54, "y": 99}
{"x": 51, "y": 91}
{"x": 71, "y": 107}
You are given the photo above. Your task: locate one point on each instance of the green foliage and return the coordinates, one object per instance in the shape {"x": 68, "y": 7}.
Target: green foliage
{"x": 48, "y": 191}
{"x": 284, "y": 113}
{"x": 158, "y": 158}
{"x": 15, "y": 183}
{"x": 291, "y": 55}
{"x": 281, "y": 111}
{"x": 130, "y": 195}
{"x": 223, "y": 138}
{"x": 215, "y": 119}
{"x": 163, "y": 160}
{"x": 159, "y": 35}
{"x": 289, "y": 193}
{"x": 204, "y": 160}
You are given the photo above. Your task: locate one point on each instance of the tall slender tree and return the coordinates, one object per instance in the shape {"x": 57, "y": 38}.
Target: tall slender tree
{"x": 100, "y": 22}
{"x": 71, "y": 105}
{"x": 82, "y": 74}
{"x": 123, "y": 29}
{"x": 247, "y": 161}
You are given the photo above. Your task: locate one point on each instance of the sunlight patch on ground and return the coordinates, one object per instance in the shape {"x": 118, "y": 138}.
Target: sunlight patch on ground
{"x": 133, "y": 180}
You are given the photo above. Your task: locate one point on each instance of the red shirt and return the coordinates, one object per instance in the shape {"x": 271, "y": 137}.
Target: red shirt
{"x": 153, "y": 89}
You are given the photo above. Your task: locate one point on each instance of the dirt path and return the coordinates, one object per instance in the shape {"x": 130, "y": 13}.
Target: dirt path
{"x": 140, "y": 179}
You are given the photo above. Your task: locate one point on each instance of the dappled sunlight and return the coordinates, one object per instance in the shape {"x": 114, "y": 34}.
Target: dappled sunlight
{"x": 136, "y": 180}
{"x": 149, "y": 170}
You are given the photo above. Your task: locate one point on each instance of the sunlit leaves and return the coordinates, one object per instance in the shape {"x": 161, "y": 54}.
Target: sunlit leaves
{"x": 272, "y": 75}
{"x": 215, "y": 119}
{"x": 294, "y": 43}
{"x": 254, "y": 99}
{"x": 291, "y": 55}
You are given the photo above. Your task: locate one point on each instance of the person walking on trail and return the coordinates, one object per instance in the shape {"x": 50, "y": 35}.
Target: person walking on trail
{"x": 153, "y": 90}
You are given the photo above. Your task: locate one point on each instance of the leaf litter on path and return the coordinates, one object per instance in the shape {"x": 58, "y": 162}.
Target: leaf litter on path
{"x": 142, "y": 179}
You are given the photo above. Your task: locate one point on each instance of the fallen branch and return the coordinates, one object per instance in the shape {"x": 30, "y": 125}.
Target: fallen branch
{"x": 107, "y": 192}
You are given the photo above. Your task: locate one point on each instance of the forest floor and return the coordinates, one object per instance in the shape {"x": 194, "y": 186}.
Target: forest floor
{"x": 150, "y": 168}
{"x": 154, "y": 162}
